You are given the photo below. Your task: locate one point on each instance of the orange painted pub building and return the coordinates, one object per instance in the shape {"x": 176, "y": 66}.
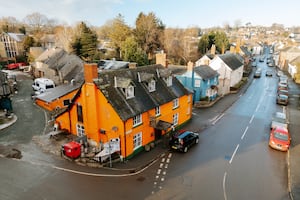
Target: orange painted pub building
{"x": 131, "y": 107}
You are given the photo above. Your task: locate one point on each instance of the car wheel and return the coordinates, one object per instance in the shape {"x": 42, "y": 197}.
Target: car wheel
{"x": 197, "y": 141}
{"x": 185, "y": 149}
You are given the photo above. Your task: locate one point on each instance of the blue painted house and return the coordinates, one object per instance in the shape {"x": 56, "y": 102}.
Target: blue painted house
{"x": 202, "y": 80}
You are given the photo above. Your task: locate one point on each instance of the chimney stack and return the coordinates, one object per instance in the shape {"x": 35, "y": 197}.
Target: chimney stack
{"x": 213, "y": 49}
{"x": 161, "y": 58}
{"x": 90, "y": 72}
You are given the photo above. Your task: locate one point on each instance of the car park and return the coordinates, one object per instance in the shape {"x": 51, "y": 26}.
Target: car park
{"x": 279, "y": 120}
{"x": 183, "y": 140}
{"x": 280, "y": 139}
{"x": 282, "y": 99}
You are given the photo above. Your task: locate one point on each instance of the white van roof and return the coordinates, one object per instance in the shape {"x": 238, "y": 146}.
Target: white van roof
{"x": 44, "y": 80}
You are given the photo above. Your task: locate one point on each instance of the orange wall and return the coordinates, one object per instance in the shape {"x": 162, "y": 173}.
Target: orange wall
{"x": 99, "y": 114}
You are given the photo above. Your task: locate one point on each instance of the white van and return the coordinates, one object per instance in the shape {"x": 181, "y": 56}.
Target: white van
{"x": 42, "y": 84}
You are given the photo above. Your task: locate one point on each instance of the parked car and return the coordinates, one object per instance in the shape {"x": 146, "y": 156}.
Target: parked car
{"x": 15, "y": 65}
{"x": 280, "y": 139}
{"x": 183, "y": 140}
{"x": 282, "y": 99}
{"x": 279, "y": 120}
{"x": 284, "y": 92}
{"x": 279, "y": 73}
{"x": 269, "y": 73}
{"x": 282, "y": 86}
{"x": 42, "y": 84}
{"x": 257, "y": 74}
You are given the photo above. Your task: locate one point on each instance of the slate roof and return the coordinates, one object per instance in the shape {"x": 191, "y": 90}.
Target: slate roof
{"x": 57, "y": 92}
{"x": 70, "y": 66}
{"x": 245, "y": 50}
{"x": 143, "y": 100}
{"x": 17, "y": 36}
{"x": 205, "y": 72}
{"x": 231, "y": 60}
{"x": 112, "y": 64}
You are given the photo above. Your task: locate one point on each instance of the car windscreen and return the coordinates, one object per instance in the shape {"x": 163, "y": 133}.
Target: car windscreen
{"x": 281, "y": 136}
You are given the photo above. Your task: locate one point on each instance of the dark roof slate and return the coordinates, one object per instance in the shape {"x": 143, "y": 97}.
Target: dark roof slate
{"x": 143, "y": 100}
{"x": 206, "y": 72}
{"x": 231, "y": 60}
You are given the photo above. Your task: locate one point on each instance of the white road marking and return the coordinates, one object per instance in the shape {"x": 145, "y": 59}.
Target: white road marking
{"x": 251, "y": 119}
{"x": 217, "y": 119}
{"x": 163, "y": 160}
{"x": 158, "y": 171}
{"x": 244, "y": 133}
{"x": 168, "y": 160}
{"x": 166, "y": 166}
{"x": 224, "y": 184}
{"x": 170, "y": 155}
{"x": 236, "y": 148}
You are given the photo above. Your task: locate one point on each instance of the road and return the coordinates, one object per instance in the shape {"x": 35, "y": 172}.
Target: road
{"x": 231, "y": 161}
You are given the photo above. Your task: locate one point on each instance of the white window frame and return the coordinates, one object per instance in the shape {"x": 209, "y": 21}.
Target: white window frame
{"x": 129, "y": 92}
{"x": 152, "y": 86}
{"x": 168, "y": 81}
{"x": 137, "y": 140}
{"x": 80, "y": 130}
{"x": 137, "y": 120}
{"x": 175, "y": 119}
{"x": 175, "y": 103}
{"x": 157, "y": 111}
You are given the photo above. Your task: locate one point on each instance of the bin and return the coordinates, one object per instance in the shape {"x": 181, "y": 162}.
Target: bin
{"x": 72, "y": 149}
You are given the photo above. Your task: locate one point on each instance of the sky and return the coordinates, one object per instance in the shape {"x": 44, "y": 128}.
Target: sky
{"x": 174, "y": 14}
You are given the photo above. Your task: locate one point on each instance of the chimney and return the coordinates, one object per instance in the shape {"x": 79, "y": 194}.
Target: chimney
{"x": 90, "y": 72}
{"x": 232, "y": 49}
{"x": 161, "y": 58}
{"x": 132, "y": 65}
{"x": 190, "y": 66}
{"x": 213, "y": 49}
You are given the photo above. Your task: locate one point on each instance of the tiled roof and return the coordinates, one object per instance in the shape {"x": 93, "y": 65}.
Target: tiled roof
{"x": 143, "y": 100}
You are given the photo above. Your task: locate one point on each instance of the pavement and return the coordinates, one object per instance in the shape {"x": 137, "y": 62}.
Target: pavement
{"x": 205, "y": 117}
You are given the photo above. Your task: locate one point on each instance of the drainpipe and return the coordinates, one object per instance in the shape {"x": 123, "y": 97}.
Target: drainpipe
{"x": 125, "y": 155}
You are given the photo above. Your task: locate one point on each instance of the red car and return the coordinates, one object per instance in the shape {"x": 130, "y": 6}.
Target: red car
{"x": 280, "y": 139}
{"x": 15, "y": 65}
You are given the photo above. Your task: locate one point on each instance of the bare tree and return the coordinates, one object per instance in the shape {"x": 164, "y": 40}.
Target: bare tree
{"x": 36, "y": 21}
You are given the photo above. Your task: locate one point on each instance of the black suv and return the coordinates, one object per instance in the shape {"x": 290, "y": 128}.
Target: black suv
{"x": 183, "y": 140}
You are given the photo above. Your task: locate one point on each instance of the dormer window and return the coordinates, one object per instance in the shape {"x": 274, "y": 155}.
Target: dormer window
{"x": 129, "y": 92}
{"x": 151, "y": 85}
{"x": 168, "y": 80}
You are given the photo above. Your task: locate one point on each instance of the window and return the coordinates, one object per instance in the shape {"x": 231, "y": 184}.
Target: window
{"x": 168, "y": 81}
{"x": 151, "y": 86}
{"x": 67, "y": 102}
{"x": 175, "y": 119}
{"x": 129, "y": 92}
{"x": 157, "y": 111}
{"x": 137, "y": 140}
{"x": 137, "y": 120}
{"x": 175, "y": 103}
{"x": 80, "y": 130}
{"x": 79, "y": 113}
